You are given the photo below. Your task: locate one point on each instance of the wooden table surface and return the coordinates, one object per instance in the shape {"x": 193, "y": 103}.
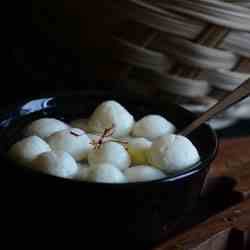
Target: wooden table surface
{"x": 222, "y": 218}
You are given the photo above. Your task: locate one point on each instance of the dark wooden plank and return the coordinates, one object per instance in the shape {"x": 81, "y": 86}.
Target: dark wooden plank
{"x": 232, "y": 162}
{"x": 221, "y": 232}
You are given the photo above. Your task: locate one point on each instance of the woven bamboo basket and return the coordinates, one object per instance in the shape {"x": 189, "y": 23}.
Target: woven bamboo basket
{"x": 190, "y": 52}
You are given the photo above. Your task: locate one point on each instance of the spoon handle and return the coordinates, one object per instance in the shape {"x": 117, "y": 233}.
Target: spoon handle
{"x": 237, "y": 95}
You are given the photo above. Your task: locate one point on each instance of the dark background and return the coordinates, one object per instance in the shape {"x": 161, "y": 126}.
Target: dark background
{"x": 57, "y": 46}
{"x": 49, "y": 48}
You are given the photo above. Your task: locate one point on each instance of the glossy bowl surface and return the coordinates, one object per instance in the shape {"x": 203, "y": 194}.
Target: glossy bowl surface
{"x": 141, "y": 213}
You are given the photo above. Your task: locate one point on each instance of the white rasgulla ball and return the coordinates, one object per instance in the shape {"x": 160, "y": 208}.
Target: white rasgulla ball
{"x": 172, "y": 153}
{"x": 73, "y": 141}
{"x": 111, "y": 113}
{"x": 152, "y": 126}
{"x": 44, "y": 127}
{"x": 24, "y": 151}
{"x": 143, "y": 173}
{"x": 81, "y": 124}
{"x": 112, "y": 153}
{"x": 58, "y": 163}
{"x": 82, "y": 171}
{"x": 106, "y": 173}
{"x": 137, "y": 149}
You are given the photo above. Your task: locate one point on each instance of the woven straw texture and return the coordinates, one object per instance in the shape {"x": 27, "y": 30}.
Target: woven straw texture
{"x": 192, "y": 52}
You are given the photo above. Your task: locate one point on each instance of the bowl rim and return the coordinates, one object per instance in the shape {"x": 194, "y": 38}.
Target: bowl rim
{"x": 195, "y": 168}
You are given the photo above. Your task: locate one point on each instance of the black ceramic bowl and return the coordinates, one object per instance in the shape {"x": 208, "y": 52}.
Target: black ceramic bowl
{"x": 99, "y": 213}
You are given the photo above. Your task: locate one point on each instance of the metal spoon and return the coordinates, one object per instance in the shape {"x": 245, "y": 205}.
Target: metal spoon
{"x": 237, "y": 95}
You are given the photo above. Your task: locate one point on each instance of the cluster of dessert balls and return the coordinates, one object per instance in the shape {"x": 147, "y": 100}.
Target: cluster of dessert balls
{"x": 108, "y": 147}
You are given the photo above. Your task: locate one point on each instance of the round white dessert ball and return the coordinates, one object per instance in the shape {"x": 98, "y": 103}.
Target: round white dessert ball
{"x": 112, "y": 153}
{"x": 106, "y": 173}
{"x": 111, "y": 113}
{"x": 82, "y": 172}
{"x": 137, "y": 149}
{"x": 45, "y": 127}
{"x": 57, "y": 163}
{"x": 173, "y": 153}
{"x": 73, "y": 141}
{"x": 143, "y": 173}
{"x": 152, "y": 126}
{"x": 81, "y": 124}
{"x": 24, "y": 151}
